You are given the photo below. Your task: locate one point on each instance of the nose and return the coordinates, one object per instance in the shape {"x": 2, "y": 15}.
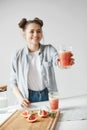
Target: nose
{"x": 35, "y": 33}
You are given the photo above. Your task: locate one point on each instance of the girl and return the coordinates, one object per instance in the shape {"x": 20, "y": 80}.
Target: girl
{"x": 32, "y": 72}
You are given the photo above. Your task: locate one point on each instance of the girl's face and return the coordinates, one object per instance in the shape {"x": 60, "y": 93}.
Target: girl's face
{"x": 33, "y": 34}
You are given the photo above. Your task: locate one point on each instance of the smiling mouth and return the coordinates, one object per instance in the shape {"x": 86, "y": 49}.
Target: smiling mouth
{"x": 35, "y": 38}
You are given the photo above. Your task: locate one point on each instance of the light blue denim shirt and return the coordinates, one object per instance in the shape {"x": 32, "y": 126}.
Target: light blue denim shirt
{"x": 20, "y": 68}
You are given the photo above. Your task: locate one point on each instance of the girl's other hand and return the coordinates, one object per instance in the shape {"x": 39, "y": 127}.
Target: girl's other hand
{"x": 25, "y": 102}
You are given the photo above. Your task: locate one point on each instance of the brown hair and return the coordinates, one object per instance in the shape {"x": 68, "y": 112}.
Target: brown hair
{"x": 22, "y": 24}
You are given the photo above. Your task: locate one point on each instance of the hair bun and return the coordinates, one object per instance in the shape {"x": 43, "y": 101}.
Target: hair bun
{"x": 22, "y": 23}
{"x": 39, "y": 21}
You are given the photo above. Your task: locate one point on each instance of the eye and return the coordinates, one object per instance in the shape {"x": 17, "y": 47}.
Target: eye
{"x": 32, "y": 31}
{"x": 39, "y": 31}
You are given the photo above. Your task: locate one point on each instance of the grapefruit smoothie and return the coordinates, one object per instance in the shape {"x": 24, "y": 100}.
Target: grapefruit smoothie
{"x": 54, "y": 103}
{"x": 53, "y": 100}
{"x": 65, "y": 59}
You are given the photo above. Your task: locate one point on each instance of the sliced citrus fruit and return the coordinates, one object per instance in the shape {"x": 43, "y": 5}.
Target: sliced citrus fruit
{"x": 43, "y": 113}
{"x": 32, "y": 118}
{"x": 25, "y": 113}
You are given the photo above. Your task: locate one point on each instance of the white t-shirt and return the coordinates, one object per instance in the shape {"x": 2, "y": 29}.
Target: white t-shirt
{"x": 35, "y": 81}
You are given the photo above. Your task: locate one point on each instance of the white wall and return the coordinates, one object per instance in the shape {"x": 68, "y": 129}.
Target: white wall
{"x": 65, "y": 22}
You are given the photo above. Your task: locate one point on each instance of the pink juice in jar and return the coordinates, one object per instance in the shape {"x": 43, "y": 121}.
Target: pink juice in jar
{"x": 65, "y": 58}
{"x": 54, "y": 103}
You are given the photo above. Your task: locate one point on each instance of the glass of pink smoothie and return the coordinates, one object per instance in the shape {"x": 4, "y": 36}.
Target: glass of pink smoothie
{"x": 65, "y": 59}
{"x": 54, "y": 100}
{"x": 65, "y": 56}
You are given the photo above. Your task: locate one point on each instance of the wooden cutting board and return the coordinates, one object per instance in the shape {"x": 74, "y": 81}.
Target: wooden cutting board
{"x": 17, "y": 122}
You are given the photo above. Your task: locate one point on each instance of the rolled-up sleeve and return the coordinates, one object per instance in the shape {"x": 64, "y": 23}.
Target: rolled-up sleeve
{"x": 54, "y": 55}
{"x": 13, "y": 73}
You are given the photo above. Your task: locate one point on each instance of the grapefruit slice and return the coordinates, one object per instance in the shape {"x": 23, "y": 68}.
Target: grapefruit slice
{"x": 25, "y": 113}
{"x": 32, "y": 118}
{"x": 43, "y": 113}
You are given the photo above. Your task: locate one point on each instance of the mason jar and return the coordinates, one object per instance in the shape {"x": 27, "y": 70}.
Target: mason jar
{"x": 3, "y": 99}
